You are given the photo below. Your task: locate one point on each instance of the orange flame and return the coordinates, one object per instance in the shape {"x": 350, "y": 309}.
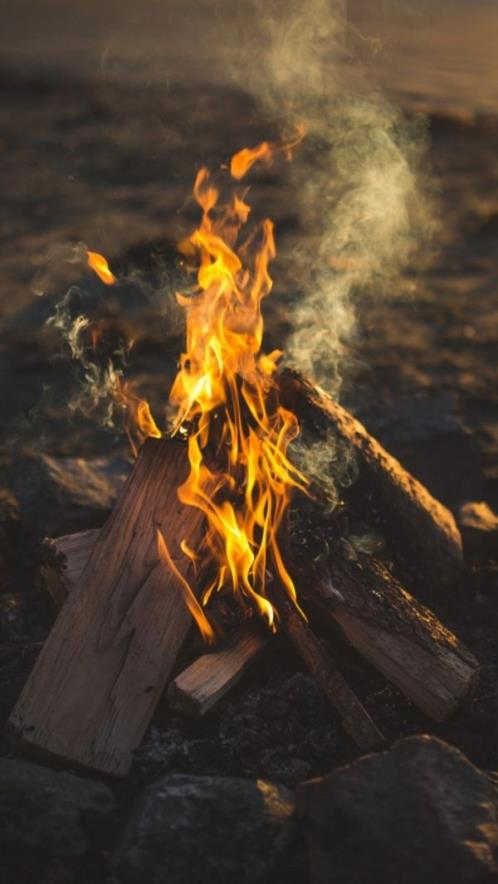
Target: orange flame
{"x": 225, "y": 392}
{"x": 192, "y": 603}
{"x": 100, "y": 266}
{"x": 242, "y": 161}
{"x": 139, "y": 420}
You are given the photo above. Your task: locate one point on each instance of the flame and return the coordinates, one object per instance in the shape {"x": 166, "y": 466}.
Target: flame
{"x": 99, "y": 264}
{"x": 192, "y": 603}
{"x": 139, "y": 421}
{"x": 240, "y": 475}
{"x": 242, "y": 161}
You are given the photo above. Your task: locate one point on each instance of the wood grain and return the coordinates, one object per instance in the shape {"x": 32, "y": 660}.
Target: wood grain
{"x": 399, "y": 636}
{"x": 104, "y": 666}
{"x": 209, "y": 678}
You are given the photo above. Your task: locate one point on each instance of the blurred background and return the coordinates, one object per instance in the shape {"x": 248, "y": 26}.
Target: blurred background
{"x": 109, "y": 108}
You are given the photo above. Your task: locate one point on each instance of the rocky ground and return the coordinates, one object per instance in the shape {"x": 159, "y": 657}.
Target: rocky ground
{"x": 80, "y": 164}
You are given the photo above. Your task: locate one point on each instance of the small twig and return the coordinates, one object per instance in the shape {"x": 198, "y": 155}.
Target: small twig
{"x": 354, "y": 717}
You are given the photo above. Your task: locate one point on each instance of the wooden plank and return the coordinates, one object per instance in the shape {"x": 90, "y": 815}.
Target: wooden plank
{"x": 209, "y": 678}
{"x": 419, "y": 530}
{"x": 104, "y": 666}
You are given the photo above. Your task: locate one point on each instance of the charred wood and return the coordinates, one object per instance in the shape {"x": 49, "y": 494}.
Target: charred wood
{"x": 419, "y": 530}
{"x": 398, "y": 635}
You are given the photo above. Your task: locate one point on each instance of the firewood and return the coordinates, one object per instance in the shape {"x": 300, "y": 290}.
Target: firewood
{"x": 419, "y": 529}
{"x": 209, "y": 678}
{"x": 202, "y": 684}
{"x": 68, "y": 557}
{"x": 395, "y": 632}
{"x": 95, "y": 685}
{"x": 354, "y": 717}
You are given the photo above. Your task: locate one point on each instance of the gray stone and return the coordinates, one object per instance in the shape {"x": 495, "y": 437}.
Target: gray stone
{"x": 193, "y": 830}
{"x": 420, "y": 813}
{"x": 65, "y": 494}
{"x": 56, "y": 813}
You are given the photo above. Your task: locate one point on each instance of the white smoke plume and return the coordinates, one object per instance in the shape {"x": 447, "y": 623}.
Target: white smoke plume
{"x": 362, "y": 195}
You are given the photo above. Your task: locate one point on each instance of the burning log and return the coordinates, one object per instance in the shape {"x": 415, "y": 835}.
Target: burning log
{"x": 199, "y": 687}
{"x": 103, "y": 668}
{"x": 354, "y": 717}
{"x": 419, "y": 528}
{"x": 397, "y": 634}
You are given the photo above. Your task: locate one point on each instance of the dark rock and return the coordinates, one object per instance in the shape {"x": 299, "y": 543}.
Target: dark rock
{"x": 420, "y": 813}
{"x": 290, "y": 771}
{"x": 53, "y": 813}
{"x": 428, "y": 436}
{"x": 199, "y": 829}
{"x": 61, "y": 495}
{"x": 479, "y": 528}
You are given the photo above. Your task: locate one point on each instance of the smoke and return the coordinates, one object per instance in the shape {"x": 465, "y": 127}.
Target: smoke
{"x": 360, "y": 190}
{"x": 357, "y": 184}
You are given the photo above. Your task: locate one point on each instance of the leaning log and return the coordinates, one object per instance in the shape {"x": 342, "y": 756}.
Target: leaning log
{"x": 394, "y": 632}
{"x": 419, "y": 529}
{"x": 95, "y": 685}
{"x": 354, "y": 717}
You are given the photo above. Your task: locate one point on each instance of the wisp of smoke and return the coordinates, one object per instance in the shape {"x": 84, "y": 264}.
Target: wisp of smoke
{"x": 362, "y": 196}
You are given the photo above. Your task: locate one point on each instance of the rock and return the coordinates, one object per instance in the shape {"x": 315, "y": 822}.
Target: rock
{"x": 479, "y": 527}
{"x": 278, "y": 766}
{"x": 55, "y": 813}
{"x": 200, "y": 829}
{"x": 62, "y": 495}
{"x": 428, "y": 436}
{"x": 420, "y": 813}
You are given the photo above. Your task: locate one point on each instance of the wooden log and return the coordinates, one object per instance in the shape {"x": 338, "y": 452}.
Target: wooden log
{"x": 419, "y": 530}
{"x": 65, "y": 561}
{"x": 209, "y": 678}
{"x": 104, "y": 666}
{"x": 353, "y": 715}
{"x": 397, "y": 634}
{"x": 202, "y": 684}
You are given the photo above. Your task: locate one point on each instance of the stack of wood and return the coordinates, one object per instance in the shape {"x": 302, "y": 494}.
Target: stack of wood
{"x": 123, "y": 617}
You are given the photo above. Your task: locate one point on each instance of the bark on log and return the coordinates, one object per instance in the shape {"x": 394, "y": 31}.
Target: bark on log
{"x": 199, "y": 687}
{"x": 397, "y": 634}
{"x": 103, "y": 668}
{"x": 419, "y": 529}
{"x": 354, "y": 717}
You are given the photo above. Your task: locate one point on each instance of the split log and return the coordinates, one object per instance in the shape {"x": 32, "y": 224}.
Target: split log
{"x": 397, "y": 634}
{"x": 418, "y": 528}
{"x": 199, "y": 687}
{"x": 66, "y": 560}
{"x": 354, "y": 717}
{"x": 202, "y": 684}
{"x": 101, "y": 672}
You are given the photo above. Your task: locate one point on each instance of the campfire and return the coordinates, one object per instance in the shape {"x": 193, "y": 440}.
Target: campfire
{"x": 218, "y": 524}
